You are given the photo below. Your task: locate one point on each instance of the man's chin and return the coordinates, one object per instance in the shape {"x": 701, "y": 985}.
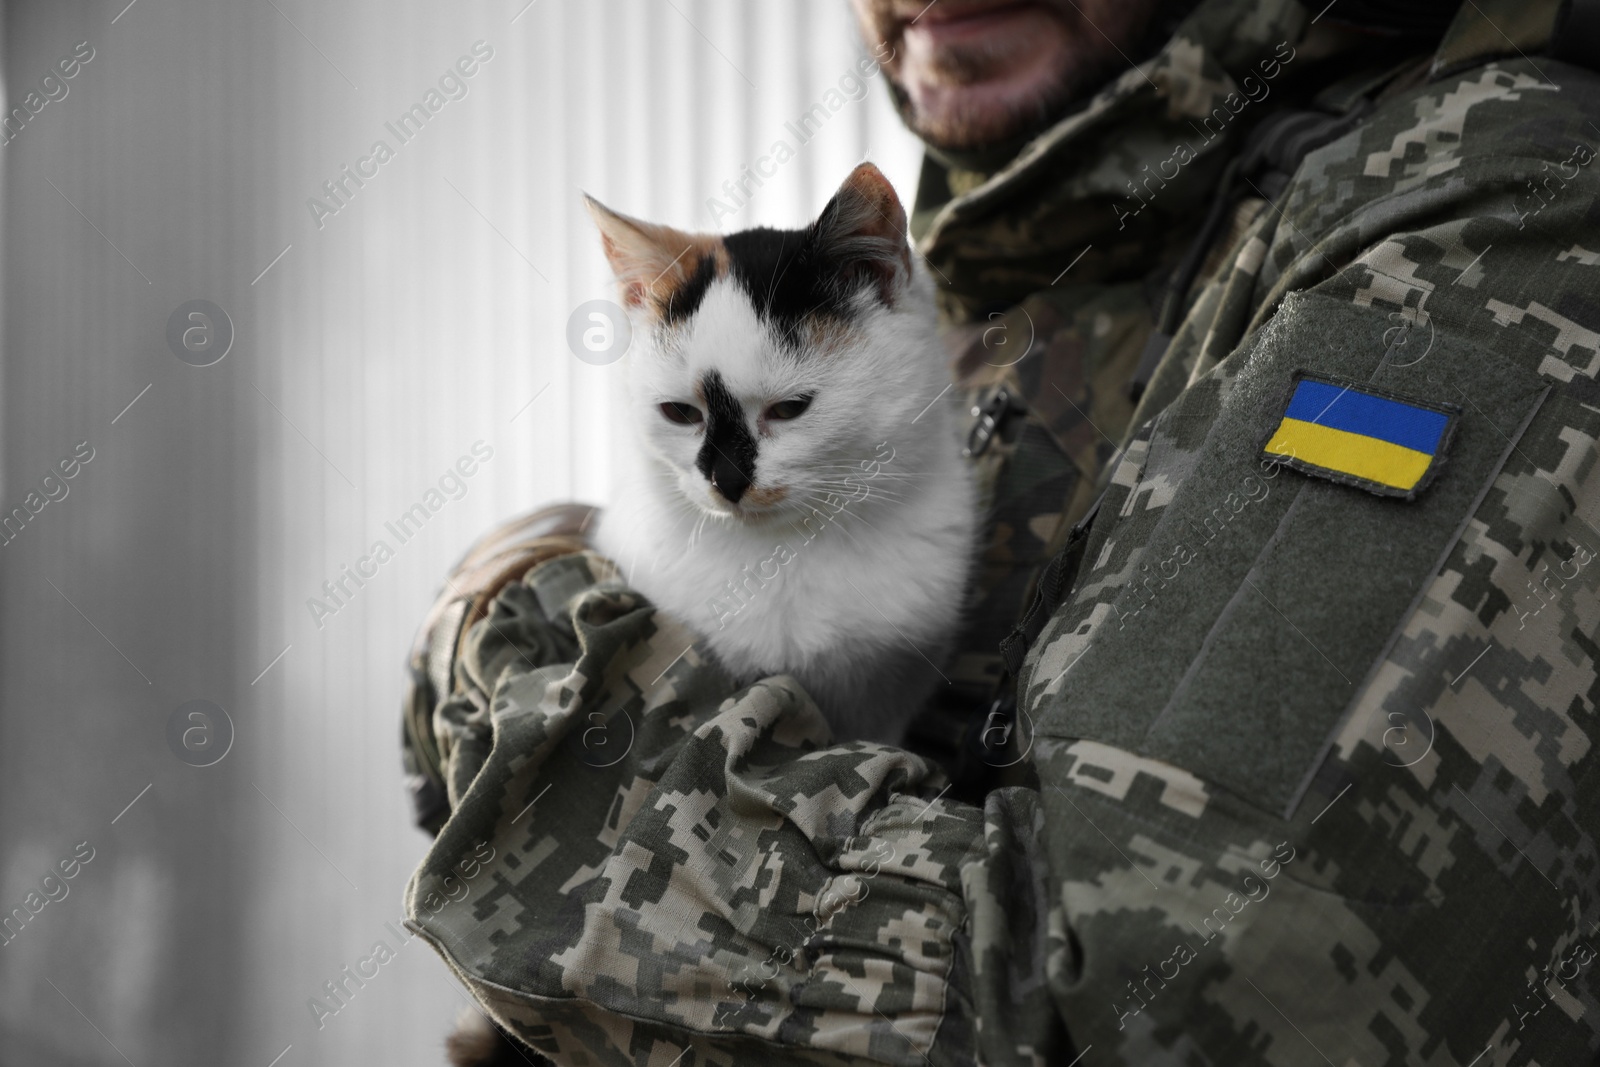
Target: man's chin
{"x": 987, "y": 74}
{"x": 988, "y": 113}
{"x": 977, "y": 74}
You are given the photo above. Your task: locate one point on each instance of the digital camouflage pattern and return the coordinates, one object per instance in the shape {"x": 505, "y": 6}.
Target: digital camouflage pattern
{"x": 1309, "y": 772}
{"x": 676, "y": 868}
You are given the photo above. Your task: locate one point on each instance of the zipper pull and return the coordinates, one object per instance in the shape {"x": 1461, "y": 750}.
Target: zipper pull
{"x": 992, "y": 415}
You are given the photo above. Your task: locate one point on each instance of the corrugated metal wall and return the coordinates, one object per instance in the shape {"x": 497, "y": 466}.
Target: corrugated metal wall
{"x": 418, "y": 319}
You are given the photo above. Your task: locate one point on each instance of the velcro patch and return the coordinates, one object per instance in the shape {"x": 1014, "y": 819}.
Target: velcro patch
{"x": 1356, "y": 435}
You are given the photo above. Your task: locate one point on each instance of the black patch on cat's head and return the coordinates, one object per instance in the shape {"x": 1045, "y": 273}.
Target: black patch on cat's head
{"x": 728, "y": 456}
{"x": 786, "y": 278}
{"x": 685, "y": 300}
{"x": 794, "y": 275}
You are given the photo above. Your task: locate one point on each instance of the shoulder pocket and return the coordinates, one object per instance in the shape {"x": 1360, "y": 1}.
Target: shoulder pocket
{"x": 1235, "y": 608}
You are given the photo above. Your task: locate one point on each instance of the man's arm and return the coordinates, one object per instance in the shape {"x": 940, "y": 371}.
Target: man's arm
{"x": 642, "y": 858}
{"x": 1317, "y": 745}
{"x": 500, "y": 557}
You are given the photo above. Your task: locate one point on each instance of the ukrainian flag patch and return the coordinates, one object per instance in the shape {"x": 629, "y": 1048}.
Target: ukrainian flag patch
{"x": 1360, "y": 436}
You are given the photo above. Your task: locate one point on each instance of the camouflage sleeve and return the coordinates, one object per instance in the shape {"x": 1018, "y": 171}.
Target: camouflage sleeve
{"x": 1318, "y": 740}
{"x": 646, "y": 865}
{"x": 505, "y": 552}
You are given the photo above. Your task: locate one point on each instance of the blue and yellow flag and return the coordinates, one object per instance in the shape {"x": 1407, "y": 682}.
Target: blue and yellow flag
{"x": 1360, "y": 436}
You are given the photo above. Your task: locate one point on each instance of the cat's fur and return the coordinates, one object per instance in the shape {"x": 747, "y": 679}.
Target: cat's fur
{"x": 834, "y": 545}
{"x": 477, "y": 1042}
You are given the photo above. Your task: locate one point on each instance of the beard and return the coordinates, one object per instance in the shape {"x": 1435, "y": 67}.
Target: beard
{"x": 972, "y": 74}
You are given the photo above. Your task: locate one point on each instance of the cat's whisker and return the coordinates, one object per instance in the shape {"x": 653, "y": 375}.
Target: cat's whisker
{"x": 886, "y": 476}
{"x": 842, "y": 524}
{"x": 867, "y": 477}
{"x": 853, "y": 493}
{"x": 699, "y": 527}
{"x": 836, "y": 518}
{"x": 855, "y": 485}
{"x": 681, "y": 511}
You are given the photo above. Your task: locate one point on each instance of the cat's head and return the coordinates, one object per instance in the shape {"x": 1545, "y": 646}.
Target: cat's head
{"x": 768, "y": 363}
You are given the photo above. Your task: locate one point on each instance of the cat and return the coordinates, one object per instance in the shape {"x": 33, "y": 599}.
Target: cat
{"x": 795, "y": 491}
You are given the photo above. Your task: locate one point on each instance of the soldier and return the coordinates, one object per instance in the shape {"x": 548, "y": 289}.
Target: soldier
{"x": 1283, "y": 346}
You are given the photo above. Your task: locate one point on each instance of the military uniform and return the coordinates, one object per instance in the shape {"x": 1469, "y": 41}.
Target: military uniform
{"x": 1295, "y": 456}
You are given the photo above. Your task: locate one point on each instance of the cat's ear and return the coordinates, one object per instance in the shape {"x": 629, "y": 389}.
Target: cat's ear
{"x": 863, "y": 230}
{"x": 651, "y": 262}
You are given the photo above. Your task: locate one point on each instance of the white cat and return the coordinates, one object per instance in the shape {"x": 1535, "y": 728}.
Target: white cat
{"x": 796, "y": 494}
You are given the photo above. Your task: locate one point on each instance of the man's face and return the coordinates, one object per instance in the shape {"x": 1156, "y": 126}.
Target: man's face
{"x": 981, "y": 72}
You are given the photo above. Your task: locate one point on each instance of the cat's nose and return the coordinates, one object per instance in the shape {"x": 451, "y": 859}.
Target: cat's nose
{"x": 729, "y": 481}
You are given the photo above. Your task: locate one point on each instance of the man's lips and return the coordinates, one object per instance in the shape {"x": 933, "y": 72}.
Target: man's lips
{"x": 956, "y": 13}
{"x": 944, "y": 12}
{"x": 953, "y": 22}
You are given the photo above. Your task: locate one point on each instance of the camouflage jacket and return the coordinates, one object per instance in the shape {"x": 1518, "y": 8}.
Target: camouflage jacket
{"x": 1303, "y": 749}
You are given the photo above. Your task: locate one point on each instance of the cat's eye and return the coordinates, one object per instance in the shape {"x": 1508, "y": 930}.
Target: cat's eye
{"x": 792, "y": 408}
{"x": 683, "y": 414}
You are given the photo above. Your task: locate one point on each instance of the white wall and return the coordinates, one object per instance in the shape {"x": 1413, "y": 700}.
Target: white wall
{"x": 417, "y": 320}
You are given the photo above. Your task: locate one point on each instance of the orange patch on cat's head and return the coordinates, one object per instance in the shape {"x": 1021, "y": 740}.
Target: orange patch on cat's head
{"x": 825, "y": 335}
{"x": 656, "y": 266}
